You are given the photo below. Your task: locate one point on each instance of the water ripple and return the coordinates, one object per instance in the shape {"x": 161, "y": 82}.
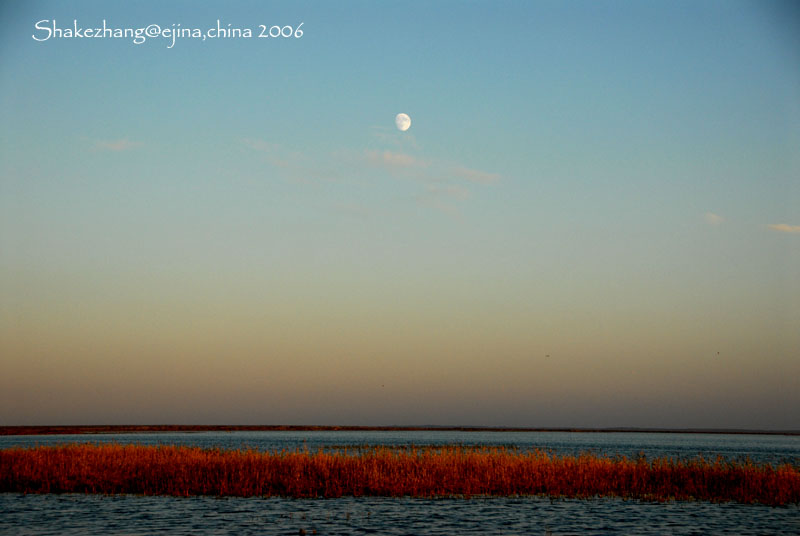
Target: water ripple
{"x": 141, "y": 515}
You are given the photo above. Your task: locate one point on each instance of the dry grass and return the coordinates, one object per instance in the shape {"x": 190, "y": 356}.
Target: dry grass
{"x": 418, "y": 472}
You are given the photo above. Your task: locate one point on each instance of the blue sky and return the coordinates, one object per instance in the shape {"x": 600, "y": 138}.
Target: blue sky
{"x": 593, "y": 220}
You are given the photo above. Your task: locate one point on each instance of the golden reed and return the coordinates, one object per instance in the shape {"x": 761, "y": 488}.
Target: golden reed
{"x": 417, "y": 472}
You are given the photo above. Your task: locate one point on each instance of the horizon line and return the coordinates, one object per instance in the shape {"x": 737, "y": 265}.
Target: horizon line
{"x": 156, "y": 428}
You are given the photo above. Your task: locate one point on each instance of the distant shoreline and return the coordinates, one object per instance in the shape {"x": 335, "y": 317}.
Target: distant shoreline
{"x": 160, "y": 428}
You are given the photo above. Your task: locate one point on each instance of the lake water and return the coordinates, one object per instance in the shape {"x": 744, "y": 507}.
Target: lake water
{"x": 87, "y": 514}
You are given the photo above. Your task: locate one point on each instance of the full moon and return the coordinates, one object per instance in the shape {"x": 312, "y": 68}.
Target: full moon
{"x": 402, "y": 121}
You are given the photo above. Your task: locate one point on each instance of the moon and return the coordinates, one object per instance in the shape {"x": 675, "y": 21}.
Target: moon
{"x": 403, "y": 122}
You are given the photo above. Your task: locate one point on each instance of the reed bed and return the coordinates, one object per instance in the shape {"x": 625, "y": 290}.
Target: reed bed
{"x": 417, "y": 472}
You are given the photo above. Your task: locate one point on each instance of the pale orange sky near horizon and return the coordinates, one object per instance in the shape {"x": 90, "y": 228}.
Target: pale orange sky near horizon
{"x": 387, "y": 356}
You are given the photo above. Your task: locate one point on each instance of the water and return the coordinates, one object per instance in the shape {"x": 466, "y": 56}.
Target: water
{"x": 93, "y": 514}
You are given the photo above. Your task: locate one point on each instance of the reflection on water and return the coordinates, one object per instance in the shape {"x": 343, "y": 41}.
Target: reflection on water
{"x": 92, "y": 514}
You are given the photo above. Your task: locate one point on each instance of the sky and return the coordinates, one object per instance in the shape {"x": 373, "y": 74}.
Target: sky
{"x": 593, "y": 220}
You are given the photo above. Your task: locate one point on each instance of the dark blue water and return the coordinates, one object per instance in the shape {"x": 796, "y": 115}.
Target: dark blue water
{"x": 93, "y": 514}
{"x": 97, "y": 514}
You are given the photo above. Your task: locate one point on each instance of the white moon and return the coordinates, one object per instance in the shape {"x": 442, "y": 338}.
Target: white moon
{"x": 403, "y": 122}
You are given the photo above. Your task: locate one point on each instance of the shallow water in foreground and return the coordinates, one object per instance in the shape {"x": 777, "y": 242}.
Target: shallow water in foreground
{"x": 139, "y": 515}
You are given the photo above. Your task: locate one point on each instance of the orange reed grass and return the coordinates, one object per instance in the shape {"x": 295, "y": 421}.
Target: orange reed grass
{"x": 418, "y": 472}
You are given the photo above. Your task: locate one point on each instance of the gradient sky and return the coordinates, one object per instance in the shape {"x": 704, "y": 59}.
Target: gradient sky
{"x": 593, "y": 221}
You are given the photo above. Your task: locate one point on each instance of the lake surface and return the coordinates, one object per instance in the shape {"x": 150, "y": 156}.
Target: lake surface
{"x": 93, "y": 514}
